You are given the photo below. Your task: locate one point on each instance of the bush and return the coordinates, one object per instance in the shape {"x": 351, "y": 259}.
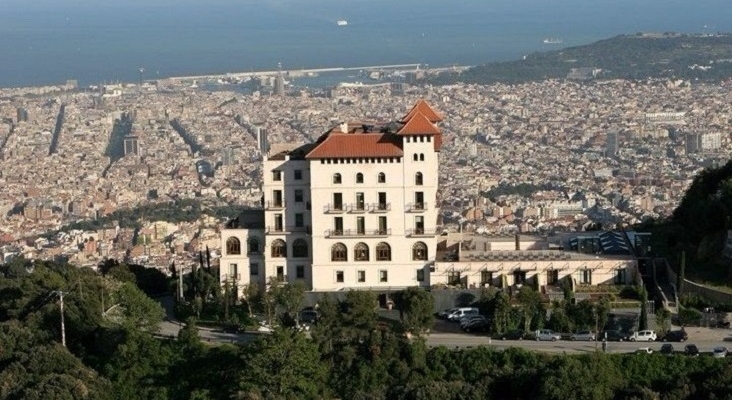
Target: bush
{"x": 689, "y": 316}
{"x": 629, "y": 292}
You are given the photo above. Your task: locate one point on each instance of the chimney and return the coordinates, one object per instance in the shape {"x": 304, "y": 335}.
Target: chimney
{"x": 344, "y": 127}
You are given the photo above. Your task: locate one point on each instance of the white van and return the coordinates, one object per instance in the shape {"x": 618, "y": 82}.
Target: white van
{"x": 462, "y": 312}
{"x": 643, "y": 336}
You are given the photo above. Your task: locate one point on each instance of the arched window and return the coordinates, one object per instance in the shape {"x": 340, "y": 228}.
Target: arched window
{"x": 336, "y": 178}
{"x": 233, "y": 246}
{"x": 359, "y": 178}
{"x": 279, "y": 248}
{"x": 339, "y": 252}
{"x": 361, "y": 252}
{"x": 419, "y": 251}
{"x": 300, "y": 248}
{"x": 421, "y": 156}
{"x": 383, "y": 252}
{"x": 418, "y": 179}
{"x": 382, "y": 177}
{"x": 414, "y": 156}
{"x": 253, "y": 244}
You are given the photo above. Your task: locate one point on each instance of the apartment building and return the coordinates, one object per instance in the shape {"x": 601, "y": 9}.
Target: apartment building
{"x": 355, "y": 209}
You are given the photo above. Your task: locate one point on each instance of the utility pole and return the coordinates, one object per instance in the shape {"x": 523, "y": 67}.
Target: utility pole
{"x": 60, "y": 294}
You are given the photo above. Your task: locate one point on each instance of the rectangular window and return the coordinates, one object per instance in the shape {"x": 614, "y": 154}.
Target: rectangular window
{"x": 486, "y": 277}
{"x": 280, "y": 274}
{"x": 453, "y": 278}
{"x": 586, "y": 277}
{"x": 339, "y": 276}
{"x": 419, "y": 200}
{"x": 254, "y": 269}
{"x": 338, "y": 201}
{"x": 278, "y": 222}
{"x": 619, "y": 276}
{"x": 362, "y": 276}
{"x": 419, "y": 224}
{"x": 383, "y": 276}
{"x": 382, "y": 200}
{"x": 276, "y": 175}
{"x": 360, "y": 201}
{"x": 233, "y": 271}
{"x": 382, "y": 225}
{"x": 338, "y": 225}
{"x": 420, "y": 275}
{"x": 361, "y": 225}
{"x": 299, "y": 220}
{"x": 300, "y": 272}
{"x": 277, "y": 198}
{"x": 552, "y": 277}
{"x": 298, "y": 174}
{"x": 298, "y": 196}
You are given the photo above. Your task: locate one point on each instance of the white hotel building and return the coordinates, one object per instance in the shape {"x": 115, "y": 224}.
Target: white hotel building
{"x": 355, "y": 209}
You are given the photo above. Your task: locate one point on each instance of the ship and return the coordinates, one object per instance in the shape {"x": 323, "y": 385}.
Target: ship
{"x": 342, "y": 22}
{"x": 552, "y": 41}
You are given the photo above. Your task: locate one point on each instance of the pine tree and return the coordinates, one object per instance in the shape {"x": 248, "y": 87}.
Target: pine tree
{"x": 681, "y": 276}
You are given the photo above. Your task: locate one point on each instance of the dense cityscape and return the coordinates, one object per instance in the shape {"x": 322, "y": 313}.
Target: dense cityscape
{"x": 539, "y": 157}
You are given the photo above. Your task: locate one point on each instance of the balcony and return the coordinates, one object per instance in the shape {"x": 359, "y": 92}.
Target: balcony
{"x": 275, "y": 229}
{"x": 420, "y": 232}
{"x": 299, "y": 229}
{"x": 274, "y": 205}
{"x": 357, "y": 208}
{"x": 333, "y": 208}
{"x": 416, "y": 207}
{"x": 333, "y": 233}
{"x": 380, "y": 207}
{"x": 231, "y": 277}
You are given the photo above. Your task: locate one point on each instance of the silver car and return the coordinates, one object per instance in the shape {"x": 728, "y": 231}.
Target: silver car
{"x": 720, "y": 352}
{"x": 548, "y": 334}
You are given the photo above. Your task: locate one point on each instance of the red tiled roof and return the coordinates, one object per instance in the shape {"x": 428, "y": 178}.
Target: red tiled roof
{"x": 354, "y": 145}
{"x": 419, "y": 124}
{"x": 423, "y": 108}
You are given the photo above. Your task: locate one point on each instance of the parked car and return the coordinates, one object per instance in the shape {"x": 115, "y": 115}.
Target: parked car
{"x": 478, "y": 325}
{"x": 719, "y": 352}
{"x": 675, "y": 336}
{"x": 667, "y": 349}
{"x": 309, "y": 316}
{"x": 643, "y": 336}
{"x": 462, "y": 312}
{"x": 445, "y": 313}
{"x": 470, "y": 320}
{"x": 548, "y": 334}
{"x": 516, "y": 334}
{"x": 583, "y": 335}
{"x": 691, "y": 350}
{"x": 644, "y": 350}
{"x": 613, "y": 336}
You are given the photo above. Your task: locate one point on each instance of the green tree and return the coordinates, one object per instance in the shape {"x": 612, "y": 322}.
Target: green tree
{"x": 283, "y": 365}
{"x": 501, "y": 313}
{"x": 643, "y": 319}
{"x": 133, "y": 309}
{"x": 289, "y": 298}
{"x": 530, "y": 303}
{"x": 249, "y": 295}
{"x": 663, "y": 320}
{"x": 358, "y": 312}
{"x": 681, "y": 276}
{"x": 416, "y": 308}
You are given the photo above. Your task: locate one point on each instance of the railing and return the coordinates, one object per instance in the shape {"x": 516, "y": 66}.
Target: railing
{"x": 275, "y": 205}
{"x": 230, "y": 277}
{"x": 357, "y": 208}
{"x": 333, "y": 208}
{"x": 275, "y": 229}
{"x": 379, "y": 207}
{"x": 422, "y": 232}
{"x": 299, "y": 229}
{"x": 357, "y": 233}
{"x": 416, "y": 207}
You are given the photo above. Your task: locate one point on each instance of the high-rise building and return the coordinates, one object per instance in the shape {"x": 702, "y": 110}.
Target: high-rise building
{"x": 611, "y": 145}
{"x": 279, "y": 86}
{"x": 260, "y": 133}
{"x": 692, "y": 143}
{"x": 132, "y": 145}
{"x": 21, "y": 115}
{"x": 355, "y": 209}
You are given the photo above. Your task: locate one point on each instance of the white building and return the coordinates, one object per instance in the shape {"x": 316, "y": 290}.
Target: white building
{"x": 355, "y": 209}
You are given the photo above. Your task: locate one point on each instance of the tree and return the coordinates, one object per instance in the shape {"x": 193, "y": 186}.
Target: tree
{"x": 602, "y": 312}
{"x": 530, "y": 302}
{"x": 358, "y": 311}
{"x": 288, "y": 298}
{"x": 663, "y": 320}
{"x": 249, "y": 295}
{"x": 643, "y": 319}
{"x": 283, "y": 365}
{"x": 416, "y": 307}
{"x": 131, "y": 308}
{"x": 501, "y": 313}
{"x": 681, "y": 276}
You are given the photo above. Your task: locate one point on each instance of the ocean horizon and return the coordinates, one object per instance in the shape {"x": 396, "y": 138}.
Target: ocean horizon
{"x": 50, "y": 41}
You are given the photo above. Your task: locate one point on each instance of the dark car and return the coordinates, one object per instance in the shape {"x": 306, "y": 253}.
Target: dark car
{"x": 667, "y": 349}
{"x": 309, "y": 316}
{"x": 691, "y": 350}
{"x": 612, "y": 336}
{"x": 516, "y": 334}
{"x": 675, "y": 336}
{"x": 478, "y": 325}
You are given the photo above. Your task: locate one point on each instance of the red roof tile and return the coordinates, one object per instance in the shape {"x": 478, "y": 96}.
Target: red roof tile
{"x": 355, "y": 145}
{"x": 418, "y": 124}
{"x": 423, "y": 108}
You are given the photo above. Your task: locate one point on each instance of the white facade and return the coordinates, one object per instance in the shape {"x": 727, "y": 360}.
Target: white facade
{"x": 357, "y": 209}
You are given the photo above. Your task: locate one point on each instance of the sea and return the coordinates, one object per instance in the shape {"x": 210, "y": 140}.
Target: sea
{"x": 46, "y": 42}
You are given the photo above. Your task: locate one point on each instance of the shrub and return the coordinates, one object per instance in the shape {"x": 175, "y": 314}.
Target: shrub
{"x": 689, "y": 316}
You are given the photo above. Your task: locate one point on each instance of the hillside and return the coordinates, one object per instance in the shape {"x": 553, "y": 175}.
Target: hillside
{"x": 639, "y": 56}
